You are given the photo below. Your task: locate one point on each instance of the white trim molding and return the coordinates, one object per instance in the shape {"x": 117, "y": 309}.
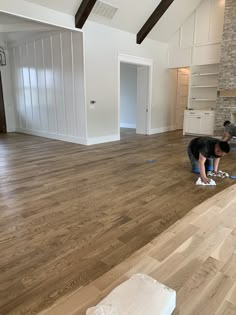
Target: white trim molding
{"x": 143, "y": 62}
{"x": 52, "y": 136}
{"x": 162, "y": 129}
{"x": 135, "y": 60}
{"x": 104, "y": 139}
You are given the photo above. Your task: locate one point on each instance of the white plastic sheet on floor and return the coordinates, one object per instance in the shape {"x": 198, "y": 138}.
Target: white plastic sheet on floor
{"x": 140, "y": 295}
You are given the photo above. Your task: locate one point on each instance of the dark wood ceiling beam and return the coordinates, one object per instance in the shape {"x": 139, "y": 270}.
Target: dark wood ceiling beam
{"x": 153, "y": 19}
{"x": 83, "y": 12}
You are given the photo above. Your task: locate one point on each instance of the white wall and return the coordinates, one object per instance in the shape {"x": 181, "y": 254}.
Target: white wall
{"x": 128, "y": 95}
{"x": 198, "y": 41}
{"x": 102, "y": 46}
{"x": 49, "y": 87}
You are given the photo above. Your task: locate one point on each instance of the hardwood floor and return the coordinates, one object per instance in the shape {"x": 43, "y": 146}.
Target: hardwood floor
{"x": 70, "y": 213}
{"x": 196, "y": 256}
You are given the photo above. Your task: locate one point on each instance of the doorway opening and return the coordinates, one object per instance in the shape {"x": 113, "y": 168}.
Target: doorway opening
{"x": 134, "y": 93}
{"x": 3, "y": 125}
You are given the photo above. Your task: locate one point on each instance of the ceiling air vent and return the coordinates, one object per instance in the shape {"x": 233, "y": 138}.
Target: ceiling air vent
{"x": 104, "y": 10}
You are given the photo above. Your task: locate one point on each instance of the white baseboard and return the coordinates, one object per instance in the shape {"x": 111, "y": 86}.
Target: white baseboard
{"x": 161, "y": 129}
{"x": 131, "y": 126}
{"x": 11, "y": 130}
{"x": 72, "y": 139}
{"x": 88, "y": 141}
{"x": 52, "y": 136}
{"x": 105, "y": 139}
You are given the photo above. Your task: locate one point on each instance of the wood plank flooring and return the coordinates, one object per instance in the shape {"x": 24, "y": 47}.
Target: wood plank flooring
{"x": 70, "y": 213}
{"x": 196, "y": 256}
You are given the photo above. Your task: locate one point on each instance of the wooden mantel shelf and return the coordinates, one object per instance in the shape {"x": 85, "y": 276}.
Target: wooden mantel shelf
{"x": 227, "y": 93}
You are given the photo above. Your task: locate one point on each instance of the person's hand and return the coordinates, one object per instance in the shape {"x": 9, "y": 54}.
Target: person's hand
{"x": 206, "y": 180}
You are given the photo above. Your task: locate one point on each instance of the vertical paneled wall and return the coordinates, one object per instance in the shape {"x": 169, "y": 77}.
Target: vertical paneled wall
{"x": 198, "y": 41}
{"x": 49, "y": 86}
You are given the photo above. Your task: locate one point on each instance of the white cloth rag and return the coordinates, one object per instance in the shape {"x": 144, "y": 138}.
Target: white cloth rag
{"x": 220, "y": 174}
{"x": 140, "y": 295}
{"x": 200, "y": 182}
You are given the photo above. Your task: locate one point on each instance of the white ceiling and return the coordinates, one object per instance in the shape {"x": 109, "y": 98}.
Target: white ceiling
{"x": 130, "y": 16}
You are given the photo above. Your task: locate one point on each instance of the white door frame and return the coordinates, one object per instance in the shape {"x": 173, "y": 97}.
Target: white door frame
{"x": 139, "y": 62}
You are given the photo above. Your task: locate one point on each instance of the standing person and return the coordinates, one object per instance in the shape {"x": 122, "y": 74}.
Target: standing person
{"x": 204, "y": 155}
{"x": 229, "y": 131}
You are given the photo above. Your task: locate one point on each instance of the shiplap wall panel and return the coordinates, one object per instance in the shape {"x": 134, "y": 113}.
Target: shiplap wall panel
{"x": 49, "y": 84}
{"x": 68, "y": 83}
{"x": 33, "y": 87}
{"x": 22, "y": 110}
{"x": 41, "y": 85}
{"x": 58, "y": 84}
{"x": 79, "y": 91}
{"x": 16, "y": 72}
{"x": 26, "y": 86}
{"x": 12, "y": 57}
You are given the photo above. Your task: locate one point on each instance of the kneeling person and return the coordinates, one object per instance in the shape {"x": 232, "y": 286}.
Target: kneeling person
{"x": 229, "y": 131}
{"x": 205, "y": 153}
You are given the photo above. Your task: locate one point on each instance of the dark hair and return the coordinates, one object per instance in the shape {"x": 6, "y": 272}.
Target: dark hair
{"x": 224, "y": 146}
{"x": 226, "y": 123}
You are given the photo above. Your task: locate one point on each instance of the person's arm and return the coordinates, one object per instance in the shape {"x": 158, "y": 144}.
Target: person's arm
{"x": 216, "y": 164}
{"x": 226, "y": 136}
{"x": 201, "y": 162}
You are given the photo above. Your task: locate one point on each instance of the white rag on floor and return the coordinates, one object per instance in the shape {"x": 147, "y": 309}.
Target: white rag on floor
{"x": 200, "y": 182}
{"x": 220, "y": 174}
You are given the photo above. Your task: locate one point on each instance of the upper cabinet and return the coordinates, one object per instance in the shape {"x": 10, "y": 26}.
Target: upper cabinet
{"x": 198, "y": 41}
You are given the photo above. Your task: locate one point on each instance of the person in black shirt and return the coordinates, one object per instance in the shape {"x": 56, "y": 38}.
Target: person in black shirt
{"x": 205, "y": 153}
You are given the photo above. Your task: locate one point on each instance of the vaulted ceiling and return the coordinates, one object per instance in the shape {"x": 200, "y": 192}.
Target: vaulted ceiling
{"x": 130, "y": 15}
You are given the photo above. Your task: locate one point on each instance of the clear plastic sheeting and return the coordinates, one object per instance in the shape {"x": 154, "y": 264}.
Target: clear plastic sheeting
{"x": 140, "y": 295}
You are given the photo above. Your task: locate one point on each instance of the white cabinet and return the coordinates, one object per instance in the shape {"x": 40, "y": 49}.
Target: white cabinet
{"x": 192, "y": 123}
{"x": 199, "y": 122}
{"x": 203, "y": 87}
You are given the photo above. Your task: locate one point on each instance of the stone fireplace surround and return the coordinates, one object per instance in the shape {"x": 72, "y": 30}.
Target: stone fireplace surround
{"x": 226, "y": 100}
